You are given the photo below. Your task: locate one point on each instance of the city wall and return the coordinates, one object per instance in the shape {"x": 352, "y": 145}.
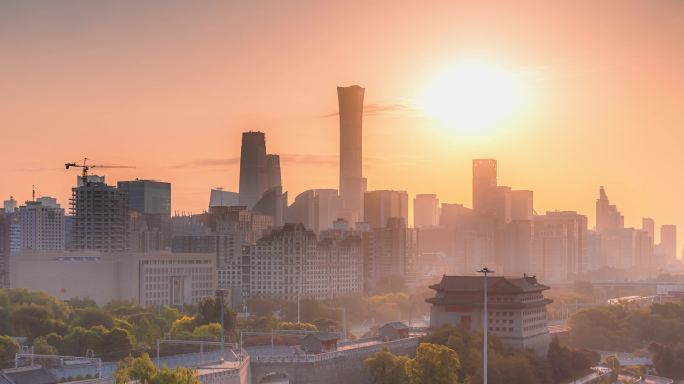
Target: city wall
{"x": 340, "y": 367}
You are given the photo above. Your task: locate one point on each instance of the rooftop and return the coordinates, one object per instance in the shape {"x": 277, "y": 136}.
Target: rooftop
{"x": 495, "y": 284}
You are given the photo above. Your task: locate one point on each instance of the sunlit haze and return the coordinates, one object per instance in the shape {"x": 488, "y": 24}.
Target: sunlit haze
{"x": 567, "y": 96}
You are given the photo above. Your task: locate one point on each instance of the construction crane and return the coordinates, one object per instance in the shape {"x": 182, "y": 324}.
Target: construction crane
{"x": 85, "y": 167}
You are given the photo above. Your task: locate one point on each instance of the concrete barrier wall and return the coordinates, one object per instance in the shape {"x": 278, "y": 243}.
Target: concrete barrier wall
{"x": 340, "y": 367}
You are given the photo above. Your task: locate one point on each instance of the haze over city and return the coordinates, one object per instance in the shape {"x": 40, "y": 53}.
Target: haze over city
{"x": 168, "y": 87}
{"x": 372, "y": 192}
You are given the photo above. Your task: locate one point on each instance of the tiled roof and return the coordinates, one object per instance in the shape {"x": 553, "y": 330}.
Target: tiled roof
{"x": 495, "y": 284}
{"x": 398, "y": 325}
{"x": 28, "y": 376}
{"x": 324, "y": 336}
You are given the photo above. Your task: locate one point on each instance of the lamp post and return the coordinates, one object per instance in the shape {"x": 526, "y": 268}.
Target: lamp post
{"x": 485, "y": 323}
{"x": 220, "y": 294}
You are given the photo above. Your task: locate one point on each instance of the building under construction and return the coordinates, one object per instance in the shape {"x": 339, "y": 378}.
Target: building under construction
{"x": 100, "y": 218}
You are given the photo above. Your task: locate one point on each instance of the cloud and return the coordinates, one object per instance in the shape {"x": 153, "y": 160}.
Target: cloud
{"x": 318, "y": 159}
{"x": 288, "y": 158}
{"x": 202, "y": 163}
{"x": 381, "y": 109}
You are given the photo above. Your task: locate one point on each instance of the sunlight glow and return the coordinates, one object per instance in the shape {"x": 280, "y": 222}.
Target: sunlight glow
{"x": 472, "y": 97}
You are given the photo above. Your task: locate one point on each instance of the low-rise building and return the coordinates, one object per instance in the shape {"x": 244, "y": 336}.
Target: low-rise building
{"x": 393, "y": 331}
{"x": 152, "y": 278}
{"x": 516, "y": 308}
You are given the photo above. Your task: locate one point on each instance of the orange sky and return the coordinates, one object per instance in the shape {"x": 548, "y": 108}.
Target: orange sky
{"x": 168, "y": 86}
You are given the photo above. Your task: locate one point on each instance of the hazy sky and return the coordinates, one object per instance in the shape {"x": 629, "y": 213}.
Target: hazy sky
{"x": 168, "y": 86}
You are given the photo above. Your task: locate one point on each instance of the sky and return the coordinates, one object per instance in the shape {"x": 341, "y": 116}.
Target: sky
{"x": 168, "y": 87}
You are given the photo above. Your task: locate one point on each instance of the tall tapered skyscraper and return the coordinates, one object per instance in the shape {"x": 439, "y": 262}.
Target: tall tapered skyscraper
{"x": 352, "y": 183}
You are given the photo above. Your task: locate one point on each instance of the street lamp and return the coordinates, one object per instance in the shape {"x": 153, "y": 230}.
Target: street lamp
{"x": 220, "y": 294}
{"x": 485, "y": 325}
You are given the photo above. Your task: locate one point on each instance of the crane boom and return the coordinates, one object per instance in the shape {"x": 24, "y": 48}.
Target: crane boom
{"x": 85, "y": 167}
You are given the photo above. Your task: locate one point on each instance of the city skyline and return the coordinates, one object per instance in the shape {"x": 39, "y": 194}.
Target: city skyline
{"x": 197, "y": 149}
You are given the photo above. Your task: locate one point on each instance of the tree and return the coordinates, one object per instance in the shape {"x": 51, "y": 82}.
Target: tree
{"x": 79, "y": 340}
{"x": 143, "y": 370}
{"x": 92, "y": 316}
{"x": 183, "y": 327}
{"x": 387, "y": 368}
{"x": 434, "y": 364}
{"x": 33, "y": 320}
{"x": 207, "y": 332}
{"x": 668, "y": 360}
{"x": 298, "y": 326}
{"x": 209, "y": 311}
{"x": 613, "y": 363}
{"x": 8, "y": 348}
{"x": 81, "y": 302}
{"x": 42, "y": 347}
{"x": 559, "y": 358}
{"x": 116, "y": 344}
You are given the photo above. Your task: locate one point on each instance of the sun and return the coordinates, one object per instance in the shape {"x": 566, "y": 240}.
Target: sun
{"x": 472, "y": 97}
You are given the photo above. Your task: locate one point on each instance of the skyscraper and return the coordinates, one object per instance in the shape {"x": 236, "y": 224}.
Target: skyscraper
{"x": 317, "y": 209}
{"x": 253, "y": 174}
{"x": 668, "y": 242}
{"x": 425, "y": 210}
{"x": 484, "y": 186}
{"x": 352, "y": 183}
{"x": 648, "y": 225}
{"x": 273, "y": 172}
{"x": 147, "y": 196}
{"x": 607, "y": 215}
{"x": 380, "y": 206}
{"x": 259, "y": 172}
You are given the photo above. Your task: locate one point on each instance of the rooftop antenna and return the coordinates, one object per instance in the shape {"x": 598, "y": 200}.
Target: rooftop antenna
{"x": 33, "y": 192}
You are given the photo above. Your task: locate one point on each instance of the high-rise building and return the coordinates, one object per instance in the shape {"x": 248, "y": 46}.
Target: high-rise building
{"x": 100, "y": 218}
{"x": 570, "y": 228}
{"x": 352, "y": 182}
{"x": 221, "y": 198}
{"x": 149, "y": 203}
{"x": 273, "y": 203}
{"x": 607, "y": 215}
{"x": 90, "y": 179}
{"x": 9, "y": 205}
{"x": 425, "y": 210}
{"x": 380, "y": 206}
{"x": 390, "y": 257}
{"x": 147, "y": 196}
{"x": 287, "y": 264}
{"x": 451, "y": 214}
{"x": 618, "y": 246}
{"x": 273, "y": 178}
{"x": 668, "y": 242}
{"x": 5, "y": 223}
{"x": 648, "y": 225}
{"x": 550, "y": 254}
{"x": 253, "y": 174}
{"x": 643, "y": 252}
{"x": 522, "y": 205}
{"x": 41, "y": 225}
{"x": 484, "y": 186}
{"x": 259, "y": 172}
{"x": 317, "y": 209}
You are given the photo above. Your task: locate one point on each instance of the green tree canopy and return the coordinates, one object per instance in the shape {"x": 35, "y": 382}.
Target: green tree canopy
{"x": 434, "y": 364}
{"x": 386, "y": 368}
{"x": 144, "y": 371}
{"x": 8, "y": 348}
